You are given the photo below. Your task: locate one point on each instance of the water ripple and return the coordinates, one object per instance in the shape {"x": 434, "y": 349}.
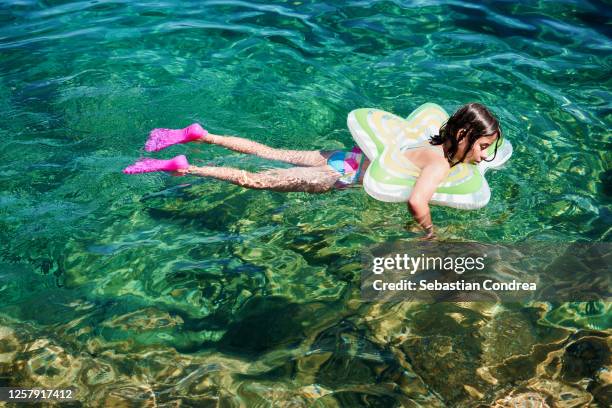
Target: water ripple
{"x": 241, "y": 297}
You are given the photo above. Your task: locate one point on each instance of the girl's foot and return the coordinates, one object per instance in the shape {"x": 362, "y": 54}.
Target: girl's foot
{"x": 161, "y": 138}
{"x": 149, "y": 165}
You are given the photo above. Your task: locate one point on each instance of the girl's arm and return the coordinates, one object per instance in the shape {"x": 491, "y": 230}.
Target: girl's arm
{"x": 424, "y": 188}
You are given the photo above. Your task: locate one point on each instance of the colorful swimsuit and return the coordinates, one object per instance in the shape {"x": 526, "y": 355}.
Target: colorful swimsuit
{"x": 348, "y": 164}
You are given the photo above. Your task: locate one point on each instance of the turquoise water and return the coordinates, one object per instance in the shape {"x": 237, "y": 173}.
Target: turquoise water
{"x": 158, "y": 287}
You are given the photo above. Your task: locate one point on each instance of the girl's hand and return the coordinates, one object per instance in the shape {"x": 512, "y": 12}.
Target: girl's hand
{"x": 413, "y": 227}
{"x": 430, "y": 234}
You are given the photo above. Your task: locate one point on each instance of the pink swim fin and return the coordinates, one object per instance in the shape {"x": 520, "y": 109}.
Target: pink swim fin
{"x": 149, "y": 165}
{"x": 161, "y": 138}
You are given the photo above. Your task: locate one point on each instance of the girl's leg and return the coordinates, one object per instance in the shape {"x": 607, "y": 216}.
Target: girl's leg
{"x": 300, "y": 179}
{"x": 312, "y": 158}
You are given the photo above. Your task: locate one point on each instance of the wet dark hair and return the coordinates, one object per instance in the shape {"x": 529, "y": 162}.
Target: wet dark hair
{"x": 477, "y": 122}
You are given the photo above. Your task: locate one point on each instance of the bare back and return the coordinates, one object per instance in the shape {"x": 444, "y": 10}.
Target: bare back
{"x": 426, "y": 155}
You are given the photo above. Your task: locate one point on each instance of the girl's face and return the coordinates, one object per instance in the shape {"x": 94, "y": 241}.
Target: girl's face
{"x": 477, "y": 152}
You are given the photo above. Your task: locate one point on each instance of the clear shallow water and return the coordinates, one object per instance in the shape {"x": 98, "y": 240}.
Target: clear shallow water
{"x": 128, "y": 285}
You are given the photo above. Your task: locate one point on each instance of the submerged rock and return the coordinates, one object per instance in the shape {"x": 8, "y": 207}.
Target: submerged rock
{"x": 525, "y": 400}
{"x": 8, "y": 346}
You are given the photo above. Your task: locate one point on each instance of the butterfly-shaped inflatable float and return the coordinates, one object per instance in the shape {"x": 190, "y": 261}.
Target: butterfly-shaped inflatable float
{"x": 384, "y": 137}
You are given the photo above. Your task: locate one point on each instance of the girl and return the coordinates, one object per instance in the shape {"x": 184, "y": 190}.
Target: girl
{"x": 463, "y": 138}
